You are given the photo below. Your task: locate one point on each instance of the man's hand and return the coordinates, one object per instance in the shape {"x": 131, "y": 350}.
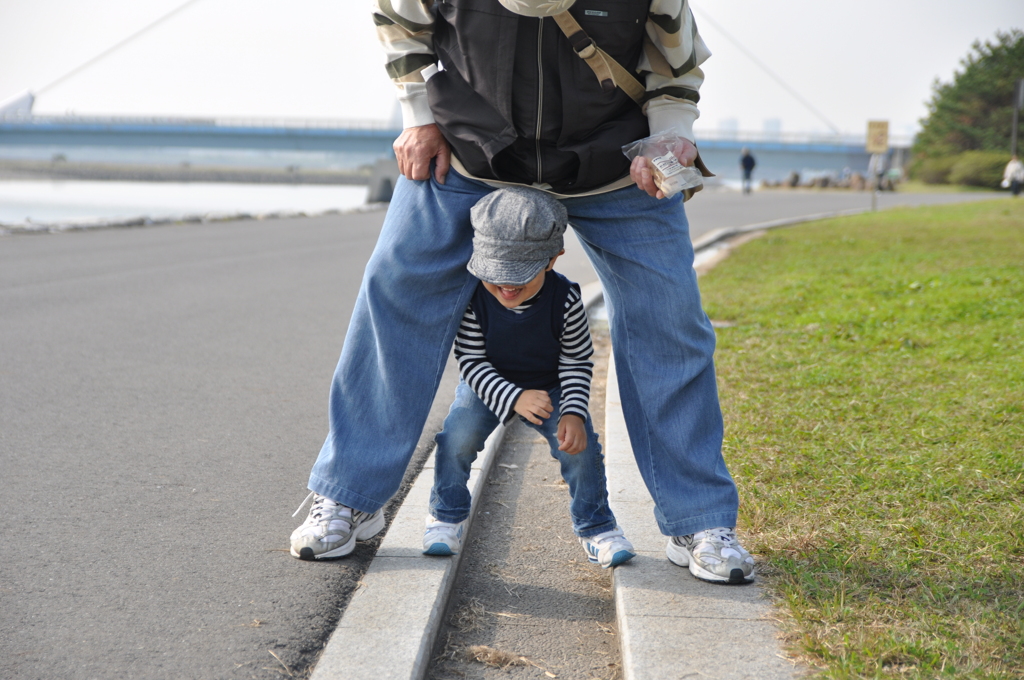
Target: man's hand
{"x": 534, "y": 405}
{"x": 643, "y": 174}
{"x": 572, "y": 437}
{"x": 416, "y": 147}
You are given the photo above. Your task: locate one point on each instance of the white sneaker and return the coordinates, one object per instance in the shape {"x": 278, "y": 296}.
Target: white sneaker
{"x": 332, "y": 529}
{"x": 442, "y": 538}
{"x": 714, "y": 555}
{"x": 609, "y": 549}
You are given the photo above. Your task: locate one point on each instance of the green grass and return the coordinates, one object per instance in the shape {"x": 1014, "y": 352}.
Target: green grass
{"x": 873, "y": 389}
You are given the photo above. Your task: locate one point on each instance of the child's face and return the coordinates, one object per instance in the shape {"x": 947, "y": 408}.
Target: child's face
{"x": 513, "y": 296}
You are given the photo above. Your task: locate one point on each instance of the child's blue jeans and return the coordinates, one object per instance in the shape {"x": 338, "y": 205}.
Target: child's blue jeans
{"x": 465, "y": 430}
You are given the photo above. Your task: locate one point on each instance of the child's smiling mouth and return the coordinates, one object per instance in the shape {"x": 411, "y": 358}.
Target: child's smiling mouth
{"x": 510, "y": 292}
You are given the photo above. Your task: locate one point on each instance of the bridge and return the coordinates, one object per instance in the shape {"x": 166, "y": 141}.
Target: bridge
{"x": 778, "y": 154}
{"x": 350, "y": 144}
{"x": 294, "y": 135}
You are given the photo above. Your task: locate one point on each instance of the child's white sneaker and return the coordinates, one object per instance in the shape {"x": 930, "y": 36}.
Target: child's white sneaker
{"x": 442, "y": 538}
{"x": 609, "y": 549}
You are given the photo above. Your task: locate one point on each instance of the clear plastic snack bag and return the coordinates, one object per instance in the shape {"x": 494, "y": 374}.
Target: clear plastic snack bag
{"x": 669, "y": 174}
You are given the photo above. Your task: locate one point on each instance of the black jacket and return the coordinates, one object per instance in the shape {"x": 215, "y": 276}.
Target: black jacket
{"x": 517, "y": 104}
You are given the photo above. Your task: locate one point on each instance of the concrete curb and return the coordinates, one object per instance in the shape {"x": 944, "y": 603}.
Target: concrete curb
{"x": 667, "y": 619}
{"x": 713, "y": 238}
{"x": 388, "y": 629}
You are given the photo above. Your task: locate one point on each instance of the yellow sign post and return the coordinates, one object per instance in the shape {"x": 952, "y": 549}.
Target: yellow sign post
{"x": 877, "y": 143}
{"x": 878, "y": 137}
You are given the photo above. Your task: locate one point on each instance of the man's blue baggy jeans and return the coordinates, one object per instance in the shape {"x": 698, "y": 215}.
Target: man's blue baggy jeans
{"x": 467, "y": 427}
{"x": 411, "y": 301}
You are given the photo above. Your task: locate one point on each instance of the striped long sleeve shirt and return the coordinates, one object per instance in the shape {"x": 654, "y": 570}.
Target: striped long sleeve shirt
{"x": 669, "y": 67}
{"x": 575, "y": 369}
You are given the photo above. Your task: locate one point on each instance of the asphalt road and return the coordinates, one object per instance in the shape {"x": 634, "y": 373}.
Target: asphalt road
{"x": 162, "y": 396}
{"x": 716, "y": 209}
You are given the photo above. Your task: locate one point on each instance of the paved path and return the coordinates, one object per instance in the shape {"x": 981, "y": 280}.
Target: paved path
{"x": 711, "y": 210}
{"x": 162, "y": 396}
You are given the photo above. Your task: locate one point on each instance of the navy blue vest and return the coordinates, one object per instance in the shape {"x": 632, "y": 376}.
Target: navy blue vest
{"x": 524, "y": 348}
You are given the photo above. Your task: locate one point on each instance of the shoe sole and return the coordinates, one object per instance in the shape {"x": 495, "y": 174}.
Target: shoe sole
{"x": 618, "y": 558}
{"x": 444, "y": 548}
{"x": 681, "y": 557}
{"x": 364, "y": 531}
{"x": 440, "y": 549}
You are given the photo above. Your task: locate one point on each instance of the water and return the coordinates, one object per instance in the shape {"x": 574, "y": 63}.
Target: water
{"x": 74, "y": 202}
{"x": 196, "y": 157}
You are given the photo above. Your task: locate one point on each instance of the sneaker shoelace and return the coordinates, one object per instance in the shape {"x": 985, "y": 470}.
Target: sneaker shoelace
{"x": 726, "y": 540}
{"x": 723, "y": 534}
{"x": 339, "y": 524}
{"x": 320, "y": 504}
{"x": 303, "y": 503}
{"x": 323, "y": 506}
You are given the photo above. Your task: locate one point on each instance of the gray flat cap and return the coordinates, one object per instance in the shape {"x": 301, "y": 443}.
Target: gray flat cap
{"x": 516, "y": 232}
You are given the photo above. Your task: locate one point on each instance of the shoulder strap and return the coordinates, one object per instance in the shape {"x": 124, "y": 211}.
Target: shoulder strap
{"x": 609, "y": 72}
{"x": 612, "y": 74}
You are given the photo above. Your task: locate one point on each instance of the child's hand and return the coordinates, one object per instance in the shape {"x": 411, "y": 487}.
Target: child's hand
{"x": 572, "y": 438}
{"x": 534, "y": 405}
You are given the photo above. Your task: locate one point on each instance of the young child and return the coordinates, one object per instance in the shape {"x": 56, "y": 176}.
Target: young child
{"x": 523, "y": 348}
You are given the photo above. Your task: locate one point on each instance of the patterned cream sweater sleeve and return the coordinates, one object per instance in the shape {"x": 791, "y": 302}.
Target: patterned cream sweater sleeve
{"x": 669, "y": 67}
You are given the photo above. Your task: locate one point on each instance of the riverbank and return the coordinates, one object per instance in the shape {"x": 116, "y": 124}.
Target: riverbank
{"x": 184, "y": 172}
{"x": 47, "y": 205}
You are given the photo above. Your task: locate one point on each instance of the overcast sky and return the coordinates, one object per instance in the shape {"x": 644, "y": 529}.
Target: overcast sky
{"x": 851, "y": 61}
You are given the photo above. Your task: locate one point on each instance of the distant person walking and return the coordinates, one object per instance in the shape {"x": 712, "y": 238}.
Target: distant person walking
{"x": 1013, "y": 176}
{"x": 747, "y": 163}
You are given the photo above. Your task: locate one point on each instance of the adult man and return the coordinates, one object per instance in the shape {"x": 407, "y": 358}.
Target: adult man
{"x": 747, "y": 164}
{"x": 498, "y": 83}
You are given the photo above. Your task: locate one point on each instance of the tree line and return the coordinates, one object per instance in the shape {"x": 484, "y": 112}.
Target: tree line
{"x": 965, "y": 138}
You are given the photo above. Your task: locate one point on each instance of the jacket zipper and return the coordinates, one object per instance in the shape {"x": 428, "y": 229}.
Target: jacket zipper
{"x": 540, "y": 95}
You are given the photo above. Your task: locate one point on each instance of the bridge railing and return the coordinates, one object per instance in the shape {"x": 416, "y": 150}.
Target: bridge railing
{"x": 233, "y": 122}
{"x": 753, "y": 136}
{"x": 311, "y": 123}
{"x": 761, "y": 136}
